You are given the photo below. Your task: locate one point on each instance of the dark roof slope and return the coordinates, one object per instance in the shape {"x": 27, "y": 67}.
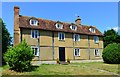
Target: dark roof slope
{"x": 50, "y": 25}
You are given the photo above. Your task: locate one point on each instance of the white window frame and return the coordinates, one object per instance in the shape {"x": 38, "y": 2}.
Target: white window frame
{"x": 33, "y": 47}
{"x": 35, "y": 22}
{"x": 75, "y": 37}
{"x": 61, "y": 36}
{"x": 71, "y": 27}
{"x": 96, "y": 39}
{"x": 78, "y": 52}
{"x": 92, "y": 30}
{"x": 98, "y": 52}
{"x": 35, "y": 33}
{"x": 60, "y": 26}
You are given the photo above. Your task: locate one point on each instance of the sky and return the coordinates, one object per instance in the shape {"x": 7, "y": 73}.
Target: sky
{"x": 103, "y": 15}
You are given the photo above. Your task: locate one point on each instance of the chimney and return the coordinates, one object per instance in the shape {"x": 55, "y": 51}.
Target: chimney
{"x": 16, "y": 26}
{"x": 78, "y": 21}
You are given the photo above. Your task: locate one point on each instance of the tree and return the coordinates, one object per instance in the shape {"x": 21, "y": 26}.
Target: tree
{"x": 111, "y": 36}
{"x": 6, "y": 40}
{"x": 19, "y": 57}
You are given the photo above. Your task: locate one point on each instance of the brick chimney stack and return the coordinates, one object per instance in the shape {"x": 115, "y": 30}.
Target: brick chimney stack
{"x": 78, "y": 20}
{"x": 16, "y": 26}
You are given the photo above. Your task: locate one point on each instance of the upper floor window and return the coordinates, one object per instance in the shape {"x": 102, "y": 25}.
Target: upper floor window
{"x": 76, "y": 52}
{"x": 92, "y": 30}
{"x": 33, "y": 22}
{"x": 96, "y": 39}
{"x": 76, "y": 37}
{"x": 35, "y": 50}
{"x": 59, "y": 26}
{"x": 96, "y": 52}
{"x": 73, "y": 27}
{"x": 34, "y": 33}
{"x": 61, "y": 36}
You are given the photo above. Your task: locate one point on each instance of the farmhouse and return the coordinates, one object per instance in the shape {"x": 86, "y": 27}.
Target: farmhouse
{"x": 53, "y": 40}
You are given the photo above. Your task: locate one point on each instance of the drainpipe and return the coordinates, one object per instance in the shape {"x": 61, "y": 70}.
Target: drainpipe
{"x": 73, "y": 46}
{"x": 89, "y": 46}
{"x": 39, "y": 46}
{"x": 20, "y": 34}
{"x": 53, "y": 45}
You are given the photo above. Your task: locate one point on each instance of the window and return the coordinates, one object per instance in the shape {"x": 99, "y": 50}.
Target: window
{"x": 73, "y": 27}
{"x": 76, "y": 37}
{"x": 59, "y": 26}
{"x": 92, "y": 30}
{"x": 96, "y": 52}
{"x": 76, "y": 52}
{"x": 34, "y": 33}
{"x": 35, "y": 51}
{"x": 33, "y": 22}
{"x": 61, "y": 36}
{"x": 96, "y": 39}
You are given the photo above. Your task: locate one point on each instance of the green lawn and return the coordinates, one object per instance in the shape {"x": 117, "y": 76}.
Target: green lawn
{"x": 91, "y": 68}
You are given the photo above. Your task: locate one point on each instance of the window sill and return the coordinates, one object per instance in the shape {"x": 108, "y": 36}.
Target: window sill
{"x": 36, "y": 55}
{"x": 62, "y": 40}
{"x": 97, "y": 43}
{"x": 76, "y": 56}
{"x": 97, "y": 56}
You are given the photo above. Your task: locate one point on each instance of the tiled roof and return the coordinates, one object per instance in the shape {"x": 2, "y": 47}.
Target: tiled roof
{"x": 50, "y": 25}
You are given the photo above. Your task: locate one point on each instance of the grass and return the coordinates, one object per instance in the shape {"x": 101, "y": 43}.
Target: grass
{"x": 91, "y": 68}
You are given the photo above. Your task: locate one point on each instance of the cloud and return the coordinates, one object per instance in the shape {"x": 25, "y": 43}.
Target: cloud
{"x": 115, "y": 28}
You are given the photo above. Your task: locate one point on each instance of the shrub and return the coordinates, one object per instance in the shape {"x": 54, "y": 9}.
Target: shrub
{"x": 111, "y": 54}
{"x": 68, "y": 60}
{"x": 57, "y": 61}
{"x": 19, "y": 57}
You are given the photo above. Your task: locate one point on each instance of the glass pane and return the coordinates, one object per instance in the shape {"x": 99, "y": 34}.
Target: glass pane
{"x": 32, "y": 21}
{"x": 62, "y": 36}
{"x": 36, "y": 33}
{"x": 59, "y": 35}
{"x": 32, "y": 33}
{"x": 35, "y": 51}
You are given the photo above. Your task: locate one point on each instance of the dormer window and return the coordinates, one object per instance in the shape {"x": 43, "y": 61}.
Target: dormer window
{"x": 73, "y": 27}
{"x": 59, "y": 26}
{"x": 33, "y": 22}
{"x": 92, "y": 30}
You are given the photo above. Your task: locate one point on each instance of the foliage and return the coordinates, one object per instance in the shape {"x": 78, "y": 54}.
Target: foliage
{"x": 111, "y": 36}
{"x": 6, "y": 39}
{"x": 111, "y": 54}
{"x": 19, "y": 57}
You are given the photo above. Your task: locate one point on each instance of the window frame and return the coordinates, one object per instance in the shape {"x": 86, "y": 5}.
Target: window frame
{"x": 61, "y": 36}
{"x": 71, "y": 27}
{"x": 34, "y": 36}
{"x": 98, "y": 52}
{"x": 60, "y": 26}
{"x": 96, "y": 39}
{"x": 35, "y": 22}
{"x": 78, "y": 52}
{"x": 74, "y": 37}
{"x": 92, "y": 30}
{"x": 33, "y": 48}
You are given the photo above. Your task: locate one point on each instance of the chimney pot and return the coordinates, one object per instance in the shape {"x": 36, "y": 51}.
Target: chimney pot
{"x": 78, "y": 20}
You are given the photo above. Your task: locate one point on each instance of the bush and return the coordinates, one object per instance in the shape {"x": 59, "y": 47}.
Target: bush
{"x": 68, "y": 60}
{"x": 111, "y": 54}
{"x": 19, "y": 57}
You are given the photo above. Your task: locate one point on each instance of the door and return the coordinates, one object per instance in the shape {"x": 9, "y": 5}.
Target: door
{"x": 62, "y": 53}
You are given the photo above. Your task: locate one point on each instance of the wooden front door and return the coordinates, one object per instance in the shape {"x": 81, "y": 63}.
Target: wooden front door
{"x": 62, "y": 53}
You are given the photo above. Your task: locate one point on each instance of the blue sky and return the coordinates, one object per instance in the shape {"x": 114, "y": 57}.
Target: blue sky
{"x": 103, "y": 15}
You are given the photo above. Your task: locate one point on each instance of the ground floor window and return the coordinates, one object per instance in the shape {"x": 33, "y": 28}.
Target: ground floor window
{"x": 76, "y": 52}
{"x": 35, "y": 51}
{"x": 96, "y": 52}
